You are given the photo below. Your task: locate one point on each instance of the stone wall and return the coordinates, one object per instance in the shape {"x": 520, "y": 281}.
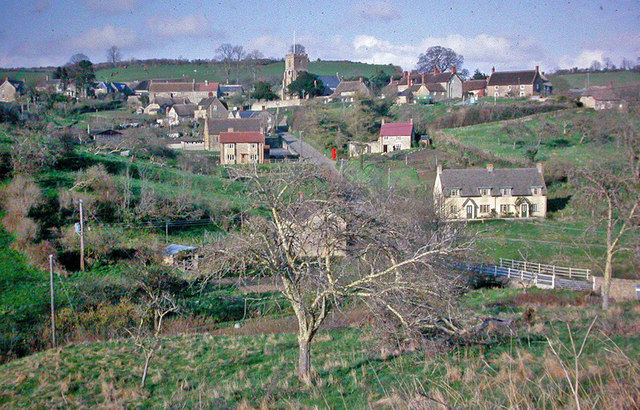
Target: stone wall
{"x": 621, "y": 289}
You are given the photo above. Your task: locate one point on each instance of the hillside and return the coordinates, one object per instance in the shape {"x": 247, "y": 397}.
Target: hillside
{"x": 563, "y": 82}
{"x": 257, "y": 370}
{"x": 211, "y": 72}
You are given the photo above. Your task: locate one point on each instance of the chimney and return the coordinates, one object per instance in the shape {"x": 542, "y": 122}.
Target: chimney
{"x": 206, "y": 82}
{"x": 409, "y": 81}
{"x": 439, "y": 169}
{"x": 436, "y": 71}
{"x": 537, "y": 69}
{"x": 453, "y": 70}
{"x": 493, "y": 70}
{"x": 383, "y": 121}
{"x": 405, "y": 74}
{"x": 490, "y": 167}
{"x": 411, "y": 121}
{"x": 424, "y": 78}
{"x": 539, "y": 166}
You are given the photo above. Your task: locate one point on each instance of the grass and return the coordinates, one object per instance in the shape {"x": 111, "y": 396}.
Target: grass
{"x": 490, "y": 139}
{"x": 564, "y": 82}
{"x": 222, "y": 371}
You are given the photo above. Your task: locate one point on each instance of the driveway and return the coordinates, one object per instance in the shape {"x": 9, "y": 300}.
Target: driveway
{"x": 308, "y": 153}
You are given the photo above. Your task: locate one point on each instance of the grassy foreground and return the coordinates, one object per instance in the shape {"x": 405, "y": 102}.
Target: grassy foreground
{"x": 224, "y": 371}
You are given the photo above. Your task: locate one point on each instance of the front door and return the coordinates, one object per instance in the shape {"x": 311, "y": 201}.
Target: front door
{"x": 384, "y": 148}
{"x": 470, "y": 213}
{"x": 524, "y": 210}
{"x": 243, "y": 158}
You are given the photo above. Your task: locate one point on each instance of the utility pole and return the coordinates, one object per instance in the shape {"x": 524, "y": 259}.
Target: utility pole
{"x": 80, "y": 202}
{"x": 53, "y": 306}
{"x": 301, "y": 149}
{"x": 166, "y": 231}
{"x": 389, "y": 178}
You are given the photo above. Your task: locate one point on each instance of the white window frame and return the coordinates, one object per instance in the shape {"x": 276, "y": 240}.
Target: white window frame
{"x": 485, "y": 209}
{"x": 505, "y": 208}
{"x": 485, "y": 191}
{"x": 506, "y": 191}
{"x": 522, "y": 86}
{"x": 231, "y": 157}
{"x": 533, "y": 208}
{"x": 454, "y": 192}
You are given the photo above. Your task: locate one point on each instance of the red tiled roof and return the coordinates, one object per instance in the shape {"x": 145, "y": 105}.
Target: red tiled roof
{"x": 240, "y": 137}
{"x": 207, "y": 87}
{"x": 396, "y": 129}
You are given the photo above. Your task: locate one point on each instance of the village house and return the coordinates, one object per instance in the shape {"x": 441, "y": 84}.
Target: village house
{"x": 469, "y": 194}
{"x": 475, "y": 88}
{"x": 348, "y": 90}
{"x": 10, "y": 90}
{"x": 394, "y": 136}
{"x": 55, "y": 86}
{"x": 241, "y": 148}
{"x": 211, "y": 107}
{"x": 602, "y": 98}
{"x": 161, "y": 105}
{"x": 526, "y": 83}
{"x": 179, "y": 113}
{"x": 318, "y": 232}
{"x": 184, "y": 89}
{"x": 104, "y": 88}
{"x": 267, "y": 119}
{"x": 214, "y": 127}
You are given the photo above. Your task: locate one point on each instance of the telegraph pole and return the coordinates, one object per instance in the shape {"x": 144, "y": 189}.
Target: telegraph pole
{"x": 81, "y": 236}
{"x": 53, "y": 305}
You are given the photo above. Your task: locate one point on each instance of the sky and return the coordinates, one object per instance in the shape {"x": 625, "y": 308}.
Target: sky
{"x": 506, "y": 35}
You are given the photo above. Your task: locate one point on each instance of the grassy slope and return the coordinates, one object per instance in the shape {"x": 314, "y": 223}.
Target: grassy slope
{"x": 564, "y": 82}
{"x": 488, "y": 137}
{"x": 213, "y": 72}
{"x": 218, "y": 371}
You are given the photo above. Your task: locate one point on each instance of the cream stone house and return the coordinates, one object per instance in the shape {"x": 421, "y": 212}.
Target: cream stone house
{"x": 213, "y": 127}
{"x": 468, "y": 194}
{"x": 241, "y": 148}
{"x": 9, "y": 90}
{"x": 185, "y": 89}
{"x": 526, "y": 83}
{"x": 211, "y": 107}
{"x": 394, "y": 136}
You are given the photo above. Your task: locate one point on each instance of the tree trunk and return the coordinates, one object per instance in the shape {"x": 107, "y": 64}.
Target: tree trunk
{"x": 304, "y": 360}
{"x": 606, "y": 283}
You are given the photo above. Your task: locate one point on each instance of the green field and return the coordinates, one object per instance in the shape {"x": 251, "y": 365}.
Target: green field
{"x": 563, "y": 82}
{"x": 212, "y": 72}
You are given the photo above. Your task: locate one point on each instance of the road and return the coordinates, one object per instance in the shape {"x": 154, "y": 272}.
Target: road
{"x": 308, "y": 153}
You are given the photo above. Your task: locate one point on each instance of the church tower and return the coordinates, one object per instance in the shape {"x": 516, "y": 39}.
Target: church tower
{"x": 293, "y": 64}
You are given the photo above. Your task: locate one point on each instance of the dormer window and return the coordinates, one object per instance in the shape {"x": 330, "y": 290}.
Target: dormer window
{"x": 505, "y": 191}
{"x": 536, "y": 191}
{"x": 454, "y": 192}
{"x": 485, "y": 191}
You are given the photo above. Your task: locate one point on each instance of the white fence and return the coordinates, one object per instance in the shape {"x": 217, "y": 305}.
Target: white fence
{"x": 550, "y": 270}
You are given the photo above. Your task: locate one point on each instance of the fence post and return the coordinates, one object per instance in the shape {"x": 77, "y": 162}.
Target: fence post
{"x": 553, "y": 281}
{"x": 569, "y": 272}
{"x": 495, "y": 271}
{"x": 500, "y": 262}
{"x": 508, "y": 272}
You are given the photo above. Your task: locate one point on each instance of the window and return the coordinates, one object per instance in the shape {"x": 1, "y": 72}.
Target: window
{"x": 485, "y": 191}
{"x": 253, "y": 157}
{"x": 231, "y": 157}
{"x": 397, "y": 147}
{"x": 254, "y": 146}
{"x": 534, "y": 208}
{"x": 522, "y": 94}
{"x": 454, "y": 192}
{"x": 504, "y": 209}
{"x": 535, "y": 191}
{"x": 496, "y": 94}
{"x": 231, "y": 146}
{"x": 505, "y": 191}
{"x": 485, "y": 209}
{"x": 453, "y": 209}
{"x": 522, "y": 86}
{"x": 496, "y": 87}
{"x": 509, "y": 88}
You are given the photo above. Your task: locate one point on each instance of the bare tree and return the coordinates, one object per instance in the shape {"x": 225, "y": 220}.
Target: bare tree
{"x": 298, "y": 49}
{"x": 328, "y": 242}
{"x": 114, "y": 56}
{"x": 76, "y": 58}
{"x": 225, "y": 54}
{"x": 610, "y": 190}
{"x": 440, "y": 58}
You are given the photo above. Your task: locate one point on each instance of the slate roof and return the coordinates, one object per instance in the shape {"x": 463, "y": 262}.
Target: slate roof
{"x": 206, "y": 102}
{"x": 512, "y": 77}
{"x": 601, "y": 93}
{"x": 241, "y": 137}
{"x": 473, "y": 85}
{"x": 329, "y": 81}
{"x": 169, "y": 102}
{"x": 435, "y": 88}
{"x": 429, "y": 78}
{"x": 469, "y": 181}
{"x": 231, "y": 88}
{"x": 185, "y": 110}
{"x": 391, "y": 129}
{"x": 217, "y": 126}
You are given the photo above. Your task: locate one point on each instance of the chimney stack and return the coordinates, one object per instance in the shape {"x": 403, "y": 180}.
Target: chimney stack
{"x": 436, "y": 71}
{"x": 383, "y": 121}
{"x": 493, "y": 70}
{"x": 411, "y": 121}
{"x": 539, "y": 166}
{"x": 409, "y": 81}
{"x": 206, "y": 82}
{"x": 490, "y": 167}
{"x": 405, "y": 74}
{"x": 424, "y": 78}
{"x": 537, "y": 69}
{"x": 453, "y": 70}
